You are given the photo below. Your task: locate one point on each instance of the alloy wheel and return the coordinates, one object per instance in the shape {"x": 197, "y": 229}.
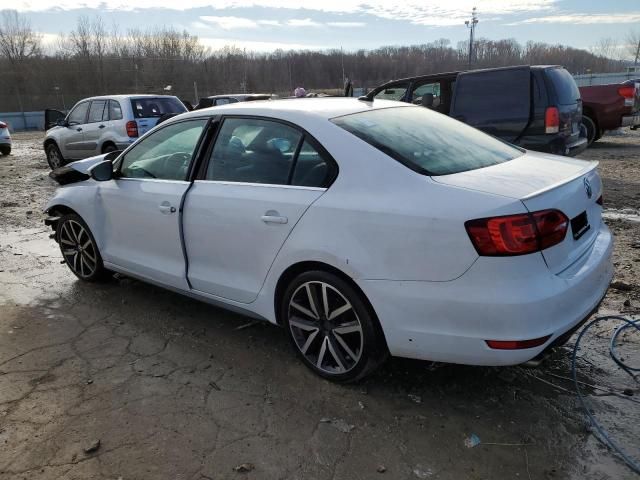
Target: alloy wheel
{"x": 325, "y": 327}
{"x": 78, "y": 249}
{"x": 55, "y": 160}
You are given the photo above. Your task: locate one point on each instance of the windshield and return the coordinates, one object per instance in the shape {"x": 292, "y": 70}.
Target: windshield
{"x": 156, "y": 107}
{"x": 427, "y": 142}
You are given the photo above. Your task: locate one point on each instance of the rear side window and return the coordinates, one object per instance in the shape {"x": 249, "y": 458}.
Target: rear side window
{"x": 427, "y": 142}
{"x": 487, "y": 96}
{"x": 564, "y": 85}
{"x": 253, "y": 151}
{"x": 156, "y": 107}
{"x": 96, "y": 111}
{"x": 115, "y": 111}
{"x": 312, "y": 168}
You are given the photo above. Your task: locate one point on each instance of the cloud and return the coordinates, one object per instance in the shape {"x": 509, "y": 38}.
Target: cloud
{"x": 584, "y": 19}
{"x": 303, "y": 22}
{"x": 346, "y": 24}
{"x": 422, "y": 12}
{"x": 230, "y": 23}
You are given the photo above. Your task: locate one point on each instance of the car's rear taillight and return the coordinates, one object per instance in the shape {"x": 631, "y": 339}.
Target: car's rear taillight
{"x": 600, "y": 201}
{"x": 3, "y": 125}
{"x": 628, "y": 92}
{"x": 551, "y": 120}
{"x": 517, "y": 234}
{"x": 132, "y": 129}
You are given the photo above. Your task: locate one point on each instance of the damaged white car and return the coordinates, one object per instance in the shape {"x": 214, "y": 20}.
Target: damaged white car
{"x": 363, "y": 228}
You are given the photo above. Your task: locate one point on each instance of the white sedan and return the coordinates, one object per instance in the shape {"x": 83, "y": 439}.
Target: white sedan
{"x": 5, "y": 139}
{"x": 363, "y": 228}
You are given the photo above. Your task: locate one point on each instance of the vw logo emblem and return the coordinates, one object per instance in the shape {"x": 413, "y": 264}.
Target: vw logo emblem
{"x": 587, "y": 188}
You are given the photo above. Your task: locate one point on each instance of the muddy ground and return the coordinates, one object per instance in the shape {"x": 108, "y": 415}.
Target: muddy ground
{"x": 176, "y": 389}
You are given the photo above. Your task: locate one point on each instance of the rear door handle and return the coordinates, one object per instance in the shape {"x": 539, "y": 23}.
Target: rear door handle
{"x": 166, "y": 208}
{"x": 273, "y": 217}
{"x": 101, "y": 126}
{"x": 79, "y": 129}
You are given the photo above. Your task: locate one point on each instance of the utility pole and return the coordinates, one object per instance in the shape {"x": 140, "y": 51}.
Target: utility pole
{"x": 471, "y": 25}
{"x": 635, "y": 63}
{"x": 342, "y": 61}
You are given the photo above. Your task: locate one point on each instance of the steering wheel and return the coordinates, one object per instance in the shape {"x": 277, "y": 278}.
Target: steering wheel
{"x": 136, "y": 168}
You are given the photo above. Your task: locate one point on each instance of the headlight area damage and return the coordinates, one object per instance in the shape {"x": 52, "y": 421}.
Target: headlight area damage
{"x": 67, "y": 174}
{"x": 80, "y": 171}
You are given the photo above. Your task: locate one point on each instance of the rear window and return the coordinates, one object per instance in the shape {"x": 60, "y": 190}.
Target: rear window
{"x": 427, "y": 142}
{"x": 565, "y": 86}
{"x": 156, "y": 107}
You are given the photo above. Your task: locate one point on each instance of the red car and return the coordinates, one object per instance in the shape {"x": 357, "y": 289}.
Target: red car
{"x": 608, "y": 107}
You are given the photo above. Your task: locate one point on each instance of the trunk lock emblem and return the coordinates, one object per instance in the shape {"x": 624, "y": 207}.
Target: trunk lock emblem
{"x": 587, "y": 187}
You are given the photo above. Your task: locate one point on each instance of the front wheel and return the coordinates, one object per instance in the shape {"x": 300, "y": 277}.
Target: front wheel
{"x": 54, "y": 156}
{"x": 79, "y": 249}
{"x": 5, "y": 150}
{"x": 331, "y": 328}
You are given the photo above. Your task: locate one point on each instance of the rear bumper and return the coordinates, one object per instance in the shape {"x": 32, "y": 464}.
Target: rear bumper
{"x": 631, "y": 120}
{"x": 556, "y": 144}
{"x": 515, "y": 298}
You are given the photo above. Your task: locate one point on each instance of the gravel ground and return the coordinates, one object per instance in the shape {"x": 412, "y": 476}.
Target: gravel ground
{"x": 126, "y": 380}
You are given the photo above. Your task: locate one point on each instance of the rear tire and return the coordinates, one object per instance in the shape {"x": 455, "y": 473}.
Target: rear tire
{"x": 592, "y": 129}
{"x": 108, "y": 148}
{"x": 54, "y": 156}
{"x": 5, "y": 149}
{"x": 331, "y": 328}
{"x": 79, "y": 249}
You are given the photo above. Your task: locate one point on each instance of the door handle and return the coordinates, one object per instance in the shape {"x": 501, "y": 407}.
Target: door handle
{"x": 79, "y": 129}
{"x": 101, "y": 126}
{"x": 273, "y": 217}
{"x": 166, "y": 208}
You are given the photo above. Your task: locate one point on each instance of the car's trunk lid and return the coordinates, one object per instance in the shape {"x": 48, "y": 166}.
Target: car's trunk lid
{"x": 543, "y": 182}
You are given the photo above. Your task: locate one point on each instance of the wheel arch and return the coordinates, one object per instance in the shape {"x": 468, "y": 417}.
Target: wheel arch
{"x": 106, "y": 144}
{"x": 300, "y": 267}
{"x": 55, "y": 212}
{"x": 50, "y": 141}
{"x": 591, "y": 113}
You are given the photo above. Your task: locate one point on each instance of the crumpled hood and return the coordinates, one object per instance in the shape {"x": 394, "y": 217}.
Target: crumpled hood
{"x": 83, "y": 166}
{"x": 75, "y": 172}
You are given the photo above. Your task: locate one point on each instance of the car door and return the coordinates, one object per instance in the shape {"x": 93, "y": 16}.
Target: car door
{"x": 259, "y": 181}
{"x": 72, "y": 138}
{"x": 497, "y": 101}
{"x": 141, "y": 205}
{"x": 97, "y": 122}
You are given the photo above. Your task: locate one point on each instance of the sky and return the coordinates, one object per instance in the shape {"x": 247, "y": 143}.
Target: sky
{"x": 266, "y": 25}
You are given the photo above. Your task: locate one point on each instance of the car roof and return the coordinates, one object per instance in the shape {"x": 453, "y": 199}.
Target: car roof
{"x": 241, "y": 95}
{"x": 126, "y": 97}
{"x": 297, "y": 108}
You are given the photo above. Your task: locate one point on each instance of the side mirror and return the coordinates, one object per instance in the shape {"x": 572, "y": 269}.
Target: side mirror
{"x": 62, "y": 122}
{"x": 103, "y": 171}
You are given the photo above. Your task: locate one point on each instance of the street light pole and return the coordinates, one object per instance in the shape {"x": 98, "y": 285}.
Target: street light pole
{"x": 471, "y": 25}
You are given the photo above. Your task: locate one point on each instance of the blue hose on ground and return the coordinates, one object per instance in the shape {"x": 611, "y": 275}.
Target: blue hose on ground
{"x": 604, "y": 436}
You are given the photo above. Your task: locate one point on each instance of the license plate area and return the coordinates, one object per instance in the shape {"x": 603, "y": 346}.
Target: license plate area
{"x": 580, "y": 225}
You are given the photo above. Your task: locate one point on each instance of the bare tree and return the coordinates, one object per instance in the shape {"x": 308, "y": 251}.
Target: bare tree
{"x": 18, "y": 41}
{"x": 633, "y": 45}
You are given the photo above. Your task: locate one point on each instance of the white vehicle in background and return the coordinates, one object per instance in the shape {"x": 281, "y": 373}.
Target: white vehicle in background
{"x": 104, "y": 124}
{"x": 363, "y": 228}
{"x": 5, "y": 139}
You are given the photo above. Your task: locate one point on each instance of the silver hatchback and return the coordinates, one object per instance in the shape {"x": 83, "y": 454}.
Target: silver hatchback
{"x": 104, "y": 124}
